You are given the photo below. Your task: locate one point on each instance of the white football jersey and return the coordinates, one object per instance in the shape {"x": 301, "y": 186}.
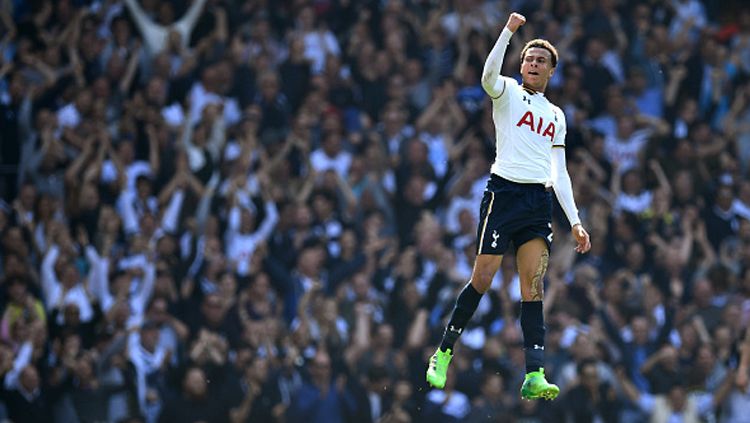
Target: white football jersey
{"x": 527, "y": 125}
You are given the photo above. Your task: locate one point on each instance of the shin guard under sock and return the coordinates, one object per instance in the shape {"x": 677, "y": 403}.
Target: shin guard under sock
{"x": 532, "y": 325}
{"x": 466, "y": 304}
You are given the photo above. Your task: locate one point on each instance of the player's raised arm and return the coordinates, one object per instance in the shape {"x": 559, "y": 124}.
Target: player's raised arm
{"x": 491, "y": 71}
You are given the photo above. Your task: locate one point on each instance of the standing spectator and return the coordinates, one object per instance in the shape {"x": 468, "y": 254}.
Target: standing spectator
{"x": 590, "y": 399}
{"x": 322, "y": 398}
{"x": 295, "y": 74}
{"x": 448, "y": 404}
{"x": 62, "y": 282}
{"x": 257, "y": 399}
{"x": 274, "y": 104}
{"x": 157, "y": 34}
{"x": 492, "y": 404}
{"x": 28, "y": 399}
{"x": 677, "y": 404}
{"x": 244, "y": 234}
{"x": 636, "y": 351}
{"x": 624, "y": 147}
{"x": 721, "y": 220}
{"x": 595, "y": 72}
{"x": 331, "y": 156}
{"x": 319, "y": 40}
{"x": 662, "y": 369}
{"x": 194, "y": 403}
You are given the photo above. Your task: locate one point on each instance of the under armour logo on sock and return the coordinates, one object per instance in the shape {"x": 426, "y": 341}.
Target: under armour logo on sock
{"x": 454, "y": 329}
{"x": 539, "y": 347}
{"x": 495, "y": 236}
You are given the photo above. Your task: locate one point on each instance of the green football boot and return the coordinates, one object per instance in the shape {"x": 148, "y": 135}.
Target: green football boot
{"x": 535, "y": 386}
{"x": 436, "y": 372}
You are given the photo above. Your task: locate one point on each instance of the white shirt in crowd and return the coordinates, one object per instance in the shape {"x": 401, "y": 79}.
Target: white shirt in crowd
{"x": 132, "y": 172}
{"x": 131, "y": 209}
{"x": 322, "y": 162}
{"x": 241, "y": 246}
{"x": 699, "y": 404}
{"x": 456, "y": 405}
{"x": 23, "y": 358}
{"x": 319, "y": 44}
{"x": 145, "y": 363}
{"x": 200, "y": 97}
{"x": 626, "y": 151}
{"x": 635, "y": 204}
{"x": 54, "y": 294}
{"x": 155, "y": 35}
{"x": 741, "y": 209}
{"x": 140, "y": 290}
{"x": 437, "y": 152}
{"x": 68, "y": 116}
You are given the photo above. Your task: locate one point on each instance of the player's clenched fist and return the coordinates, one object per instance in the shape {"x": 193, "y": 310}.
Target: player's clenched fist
{"x": 515, "y": 20}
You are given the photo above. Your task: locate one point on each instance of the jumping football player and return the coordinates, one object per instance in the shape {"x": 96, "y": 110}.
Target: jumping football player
{"x": 516, "y": 207}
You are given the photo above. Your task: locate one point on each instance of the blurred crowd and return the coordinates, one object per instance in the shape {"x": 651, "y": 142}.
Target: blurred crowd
{"x": 262, "y": 211}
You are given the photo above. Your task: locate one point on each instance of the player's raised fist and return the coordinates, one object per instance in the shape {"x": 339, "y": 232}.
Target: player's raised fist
{"x": 515, "y": 20}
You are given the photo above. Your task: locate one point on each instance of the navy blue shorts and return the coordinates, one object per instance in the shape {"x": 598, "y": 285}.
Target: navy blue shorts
{"x": 513, "y": 212}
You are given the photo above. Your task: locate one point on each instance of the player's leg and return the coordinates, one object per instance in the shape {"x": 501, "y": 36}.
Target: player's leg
{"x": 485, "y": 267}
{"x": 491, "y": 244}
{"x": 532, "y": 258}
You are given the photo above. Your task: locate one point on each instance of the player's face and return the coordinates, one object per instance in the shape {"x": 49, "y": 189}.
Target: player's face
{"x": 536, "y": 68}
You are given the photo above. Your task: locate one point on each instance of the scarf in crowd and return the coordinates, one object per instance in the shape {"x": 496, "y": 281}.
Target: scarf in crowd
{"x": 145, "y": 363}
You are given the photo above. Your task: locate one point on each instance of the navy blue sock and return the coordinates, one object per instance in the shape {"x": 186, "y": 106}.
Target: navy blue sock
{"x": 532, "y": 325}
{"x": 466, "y": 304}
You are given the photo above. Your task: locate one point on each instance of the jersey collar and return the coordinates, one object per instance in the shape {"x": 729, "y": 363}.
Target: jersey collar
{"x": 531, "y": 90}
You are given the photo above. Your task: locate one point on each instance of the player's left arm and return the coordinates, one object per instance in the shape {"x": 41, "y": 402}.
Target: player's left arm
{"x": 564, "y": 192}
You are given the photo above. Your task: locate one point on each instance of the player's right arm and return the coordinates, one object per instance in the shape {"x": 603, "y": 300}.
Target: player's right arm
{"x": 491, "y": 81}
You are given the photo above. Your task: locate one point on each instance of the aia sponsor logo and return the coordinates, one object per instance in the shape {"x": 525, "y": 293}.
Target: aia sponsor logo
{"x": 535, "y": 125}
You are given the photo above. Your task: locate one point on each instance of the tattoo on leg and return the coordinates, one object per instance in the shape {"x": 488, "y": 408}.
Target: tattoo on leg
{"x": 537, "y": 287}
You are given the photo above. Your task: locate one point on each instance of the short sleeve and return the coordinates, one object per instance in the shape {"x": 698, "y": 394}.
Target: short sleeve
{"x": 502, "y": 85}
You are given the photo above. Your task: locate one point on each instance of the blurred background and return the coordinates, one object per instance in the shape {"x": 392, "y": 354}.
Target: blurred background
{"x": 262, "y": 211}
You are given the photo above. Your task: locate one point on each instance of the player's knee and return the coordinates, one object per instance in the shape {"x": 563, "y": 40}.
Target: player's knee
{"x": 481, "y": 280}
{"x": 532, "y": 287}
{"x": 480, "y": 285}
{"x": 532, "y": 294}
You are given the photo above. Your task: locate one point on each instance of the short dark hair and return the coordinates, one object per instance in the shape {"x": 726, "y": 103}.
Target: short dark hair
{"x": 538, "y": 42}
